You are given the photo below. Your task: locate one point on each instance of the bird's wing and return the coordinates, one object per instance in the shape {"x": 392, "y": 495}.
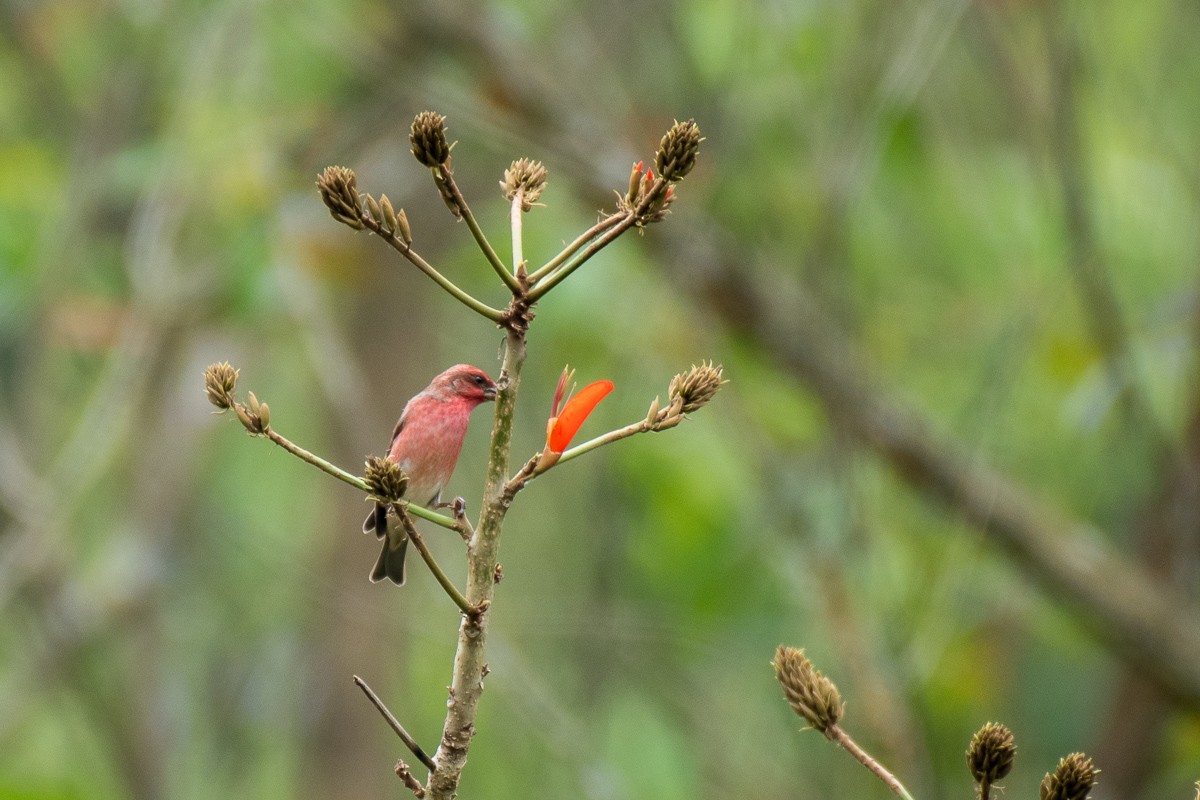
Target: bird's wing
{"x": 400, "y": 423}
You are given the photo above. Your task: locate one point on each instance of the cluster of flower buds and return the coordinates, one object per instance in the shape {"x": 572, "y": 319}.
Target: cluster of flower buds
{"x": 427, "y": 137}
{"x": 990, "y": 754}
{"x": 255, "y": 416}
{"x": 1072, "y": 779}
{"x": 339, "y": 192}
{"x": 526, "y": 177}
{"x": 219, "y": 382}
{"x": 385, "y": 478}
{"x": 649, "y": 198}
{"x": 391, "y": 221}
{"x": 810, "y": 694}
{"x": 689, "y": 391}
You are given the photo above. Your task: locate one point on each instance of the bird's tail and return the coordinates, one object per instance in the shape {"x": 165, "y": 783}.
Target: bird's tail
{"x": 390, "y": 564}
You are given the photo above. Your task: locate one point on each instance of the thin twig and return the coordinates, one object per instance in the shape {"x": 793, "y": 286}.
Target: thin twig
{"x": 403, "y": 772}
{"x": 527, "y": 472}
{"x": 626, "y": 222}
{"x": 406, "y": 250}
{"x": 434, "y": 567}
{"x": 840, "y": 737}
{"x": 571, "y": 249}
{"x": 404, "y": 735}
{"x": 318, "y": 462}
{"x": 480, "y": 238}
{"x": 355, "y": 481}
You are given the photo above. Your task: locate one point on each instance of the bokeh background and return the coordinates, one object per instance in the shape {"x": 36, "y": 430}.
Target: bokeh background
{"x": 970, "y": 221}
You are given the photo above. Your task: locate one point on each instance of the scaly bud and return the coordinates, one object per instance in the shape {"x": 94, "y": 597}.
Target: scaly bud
{"x": 390, "y": 222}
{"x": 528, "y": 176}
{"x": 373, "y": 209}
{"x": 428, "y": 138}
{"x": 385, "y": 478}
{"x": 810, "y": 694}
{"x": 990, "y": 756}
{"x": 678, "y": 149}
{"x": 402, "y": 227}
{"x": 219, "y": 383}
{"x": 1072, "y": 779}
{"x": 696, "y": 386}
{"x": 339, "y": 191}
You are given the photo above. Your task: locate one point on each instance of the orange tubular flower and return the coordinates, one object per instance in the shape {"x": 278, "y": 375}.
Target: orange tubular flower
{"x": 562, "y": 429}
{"x": 566, "y": 418}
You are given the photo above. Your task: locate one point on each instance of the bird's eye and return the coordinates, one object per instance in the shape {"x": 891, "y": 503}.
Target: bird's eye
{"x": 479, "y": 380}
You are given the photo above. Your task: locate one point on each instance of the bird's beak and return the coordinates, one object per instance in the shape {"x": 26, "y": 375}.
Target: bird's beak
{"x": 489, "y": 393}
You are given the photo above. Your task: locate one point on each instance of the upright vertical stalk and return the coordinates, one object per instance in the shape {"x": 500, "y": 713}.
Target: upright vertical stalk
{"x": 482, "y": 552}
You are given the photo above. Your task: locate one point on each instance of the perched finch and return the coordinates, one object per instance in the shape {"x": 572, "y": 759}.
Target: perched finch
{"x": 426, "y": 444}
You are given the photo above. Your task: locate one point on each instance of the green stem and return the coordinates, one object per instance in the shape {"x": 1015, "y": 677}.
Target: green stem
{"x": 355, "y": 481}
{"x": 494, "y": 314}
{"x": 480, "y": 238}
{"x": 840, "y": 737}
{"x": 571, "y": 249}
{"x": 466, "y": 684}
{"x": 625, "y": 223}
{"x": 419, "y": 542}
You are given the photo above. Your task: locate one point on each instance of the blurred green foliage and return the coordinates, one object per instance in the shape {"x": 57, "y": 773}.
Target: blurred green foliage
{"x": 184, "y": 607}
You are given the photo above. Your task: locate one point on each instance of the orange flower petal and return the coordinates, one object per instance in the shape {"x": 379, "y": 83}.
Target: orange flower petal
{"x": 567, "y": 424}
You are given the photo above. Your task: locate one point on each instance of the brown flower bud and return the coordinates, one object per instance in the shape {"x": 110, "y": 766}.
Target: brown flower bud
{"x": 402, "y": 226}
{"x": 990, "y": 756}
{"x": 219, "y": 383}
{"x": 697, "y": 386}
{"x": 1072, "y": 779}
{"x": 677, "y": 151}
{"x": 527, "y": 175}
{"x": 385, "y": 478}
{"x": 339, "y": 191}
{"x": 810, "y": 694}
{"x": 428, "y": 138}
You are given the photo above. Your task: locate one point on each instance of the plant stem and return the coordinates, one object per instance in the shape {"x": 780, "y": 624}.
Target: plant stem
{"x": 404, "y": 735}
{"x": 419, "y": 542}
{"x": 518, "y": 239}
{"x": 625, "y": 222}
{"x": 477, "y": 232}
{"x": 571, "y": 249}
{"x": 482, "y": 552}
{"x": 441, "y": 280}
{"x": 840, "y": 737}
{"x": 318, "y": 462}
{"x": 355, "y": 481}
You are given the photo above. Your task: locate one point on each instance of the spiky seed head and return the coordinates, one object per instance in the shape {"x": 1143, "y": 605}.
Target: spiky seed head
{"x": 810, "y": 694}
{"x": 524, "y": 174}
{"x": 677, "y": 151}
{"x": 990, "y": 755}
{"x": 697, "y": 386}
{"x": 1072, "y": 779}
{"x": 219, "y": 383}
{"x": 428, "y": 138}
{"x": 385, "y": 478}
{"x": 339, "y": 192}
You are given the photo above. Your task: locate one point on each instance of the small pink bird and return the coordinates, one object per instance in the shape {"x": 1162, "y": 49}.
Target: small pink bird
{"x": 426, "y": 444}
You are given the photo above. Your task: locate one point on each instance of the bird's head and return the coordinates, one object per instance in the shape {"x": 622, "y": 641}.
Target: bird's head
{"x": 469, "y": 383}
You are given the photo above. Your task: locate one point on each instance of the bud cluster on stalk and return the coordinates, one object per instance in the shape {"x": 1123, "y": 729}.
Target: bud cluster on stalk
{"x": 810, "y": 694}
{"x": 385, "y": 478}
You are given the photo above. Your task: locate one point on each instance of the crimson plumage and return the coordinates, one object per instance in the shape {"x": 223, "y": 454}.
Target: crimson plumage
{"x": 425, "y": 444}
